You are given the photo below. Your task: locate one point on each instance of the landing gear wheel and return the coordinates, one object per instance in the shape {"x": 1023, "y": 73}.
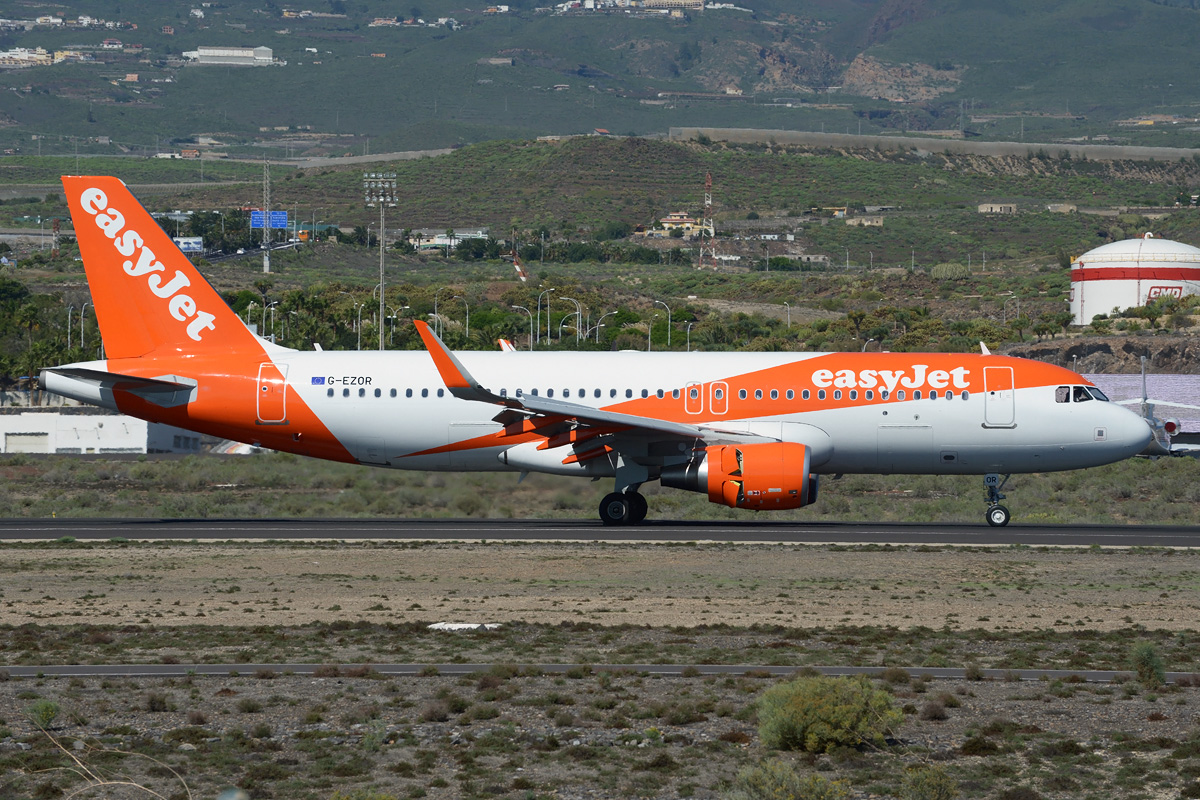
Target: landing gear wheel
{"x": 637, "y": 508}
{"x": 616, "y": 509}
{"x": 997, "y": 516}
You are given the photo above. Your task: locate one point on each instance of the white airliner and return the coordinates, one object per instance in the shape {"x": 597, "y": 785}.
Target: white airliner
{"x": 750, "y": 430}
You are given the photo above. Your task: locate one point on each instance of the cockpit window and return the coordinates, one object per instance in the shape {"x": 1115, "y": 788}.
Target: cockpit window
{"x": 1080, "y": 394}
{"x": 1062, "y": 394}
{"x": 1096, "y": 393}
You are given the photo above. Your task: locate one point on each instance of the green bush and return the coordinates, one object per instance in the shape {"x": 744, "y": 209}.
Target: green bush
{"x": 949, "y": 271}
{"x": 821, "y": 713}
{"x": 1147, "y": 664}
{"x": 928, "y": 783}
{"x": 42, "y": 713}
{"x": 777, "y": 780}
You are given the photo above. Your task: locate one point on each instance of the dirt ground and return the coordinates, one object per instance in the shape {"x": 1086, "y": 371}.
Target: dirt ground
{"x": 1006, "y": 589}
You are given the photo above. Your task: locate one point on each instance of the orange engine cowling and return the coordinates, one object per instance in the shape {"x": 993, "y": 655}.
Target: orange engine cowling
{"x": 755, "y": 476}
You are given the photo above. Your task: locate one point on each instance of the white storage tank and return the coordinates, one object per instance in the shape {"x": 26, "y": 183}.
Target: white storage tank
{"x": 1132, "y": 273}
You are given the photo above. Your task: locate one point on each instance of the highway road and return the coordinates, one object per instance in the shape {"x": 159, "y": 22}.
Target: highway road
{"x": 744, "y": 532}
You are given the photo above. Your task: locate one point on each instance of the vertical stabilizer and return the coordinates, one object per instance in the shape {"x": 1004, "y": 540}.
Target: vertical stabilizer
{"x": 148, "y": 297}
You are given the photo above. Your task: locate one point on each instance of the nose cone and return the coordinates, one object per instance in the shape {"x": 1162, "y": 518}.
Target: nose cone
{"x": 1128, "y": 433}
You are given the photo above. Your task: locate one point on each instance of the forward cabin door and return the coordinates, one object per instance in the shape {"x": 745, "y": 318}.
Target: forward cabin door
{"x": 999, "y": 397}
{"x": 272, "y": 393}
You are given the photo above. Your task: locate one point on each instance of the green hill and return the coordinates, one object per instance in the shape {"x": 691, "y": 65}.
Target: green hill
{"x": 1031, "y": 68}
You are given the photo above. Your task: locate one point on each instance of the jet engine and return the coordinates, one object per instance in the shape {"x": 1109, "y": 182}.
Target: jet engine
{"x": 755, "y": 476}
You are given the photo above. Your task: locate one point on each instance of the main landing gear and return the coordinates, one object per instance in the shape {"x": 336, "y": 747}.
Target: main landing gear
{"x": 997, "y": 515}
{"x": 623, "y": 508}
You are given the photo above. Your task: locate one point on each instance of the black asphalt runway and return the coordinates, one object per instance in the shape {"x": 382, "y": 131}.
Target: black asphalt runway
{"x": 654, "y": 531}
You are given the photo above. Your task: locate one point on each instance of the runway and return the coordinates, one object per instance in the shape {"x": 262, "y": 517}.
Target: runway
{"x": 654, "y": 531}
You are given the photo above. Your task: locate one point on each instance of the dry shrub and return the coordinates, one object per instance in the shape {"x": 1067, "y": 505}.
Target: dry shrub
{"x": 823, "y": 713}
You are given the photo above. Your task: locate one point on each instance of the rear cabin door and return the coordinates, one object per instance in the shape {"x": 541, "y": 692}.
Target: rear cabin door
{"x": 272, "y": 393}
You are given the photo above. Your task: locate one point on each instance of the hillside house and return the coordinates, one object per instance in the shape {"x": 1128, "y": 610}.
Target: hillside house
{"x": 997, "y": 208}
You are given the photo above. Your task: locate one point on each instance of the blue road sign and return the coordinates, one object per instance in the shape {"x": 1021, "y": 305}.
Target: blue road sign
{"x": 279, "y": 219}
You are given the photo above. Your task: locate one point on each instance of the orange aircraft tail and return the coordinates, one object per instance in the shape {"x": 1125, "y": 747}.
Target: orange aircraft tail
{"x": 148, "y": 297}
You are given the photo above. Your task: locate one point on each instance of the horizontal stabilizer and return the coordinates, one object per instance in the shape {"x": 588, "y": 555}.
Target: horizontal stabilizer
{"x": 166, "y": 391}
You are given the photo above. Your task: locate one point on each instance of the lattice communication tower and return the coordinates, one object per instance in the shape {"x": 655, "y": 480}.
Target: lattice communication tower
{"x": 708, "y": 241}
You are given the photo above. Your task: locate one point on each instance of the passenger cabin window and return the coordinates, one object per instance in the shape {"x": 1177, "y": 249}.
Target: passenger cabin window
{"x": 345, "y": 392}
{"x": 900, "y": 395}
{"x": 1062, "y": 394}
{"x": 869, "y": 394}
{"x": 790, "y": 394}
{"x": 758, "y": 394}
{"x": 441, "y": 392}
{"x": 628, "y": 393}
{"x": 612, "y": 392}
{"x": 1081, "y": 394}
{"x": 741, "y": 394}
{"x": 424, "y": 393}
{"x": 718, "y": 393}
{"x": 645, "y": 393}
{"x": 917, "y": 394}
{"x": 392, "y": 393}
{"x": 821, "y": 394}
{"x": 853, "y": 394}
{"x": 597, "y": 393}
{"x": 805, "y": 395}
{"x": 408, "y": 392}
{"x": 774, "y": 394}
{"x": 660, "y": 394}
{"x": 884, "y": 394}
{"x": 329, "y": 392}
{"x": 837, "y": 394}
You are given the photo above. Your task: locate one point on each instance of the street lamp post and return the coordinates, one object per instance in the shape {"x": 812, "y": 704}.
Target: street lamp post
{"x": 1004, "y": 308}
{"x": 82, "y": 312}
{"x": 437, "y": 319}
{"x": 650, "y": 331}
{"x": 539, "y": 315}
{"x": 467, "y": 331}
{"x": 668, "y": 308}
{"x": 867, "y": 342}
{"x": 358, "y": 325}
{"x": 599, "y": 326}
{"x": 395, "y": 313}
{"x": 578, "y": 318}
{"x": 69, "y": 310}
{"x": 689, "y": 334}
{"x": 789, "y": 314}
{"x": 530, "y": 313}
{"x": 249, "y": 308}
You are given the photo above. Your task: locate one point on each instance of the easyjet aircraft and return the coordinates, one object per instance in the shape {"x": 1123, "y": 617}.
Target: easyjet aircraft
{"x": 750, "y": 430}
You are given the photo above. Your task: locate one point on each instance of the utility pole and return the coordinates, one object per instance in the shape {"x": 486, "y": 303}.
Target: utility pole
{"x": 381, "y": 238}
{"x": 266, "y": 215}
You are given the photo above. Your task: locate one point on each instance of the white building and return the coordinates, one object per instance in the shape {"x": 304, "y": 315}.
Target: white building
{"x": 1132, "y": 273}
{"x": 232, "y": 56}
{"x": 82, "y": 430}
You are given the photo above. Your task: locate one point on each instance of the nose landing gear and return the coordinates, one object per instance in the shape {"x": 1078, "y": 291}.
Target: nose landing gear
{"x": 997, "y": 515}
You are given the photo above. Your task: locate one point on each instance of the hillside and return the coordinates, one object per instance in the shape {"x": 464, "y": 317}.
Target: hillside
{"x": 1037, "y": 71}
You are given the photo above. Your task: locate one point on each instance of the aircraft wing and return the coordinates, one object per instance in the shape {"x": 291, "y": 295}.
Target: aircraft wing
{"x": 551, "y": 416}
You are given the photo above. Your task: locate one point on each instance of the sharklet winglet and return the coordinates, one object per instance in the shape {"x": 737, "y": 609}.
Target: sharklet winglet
{"x": 456, "y": 377}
